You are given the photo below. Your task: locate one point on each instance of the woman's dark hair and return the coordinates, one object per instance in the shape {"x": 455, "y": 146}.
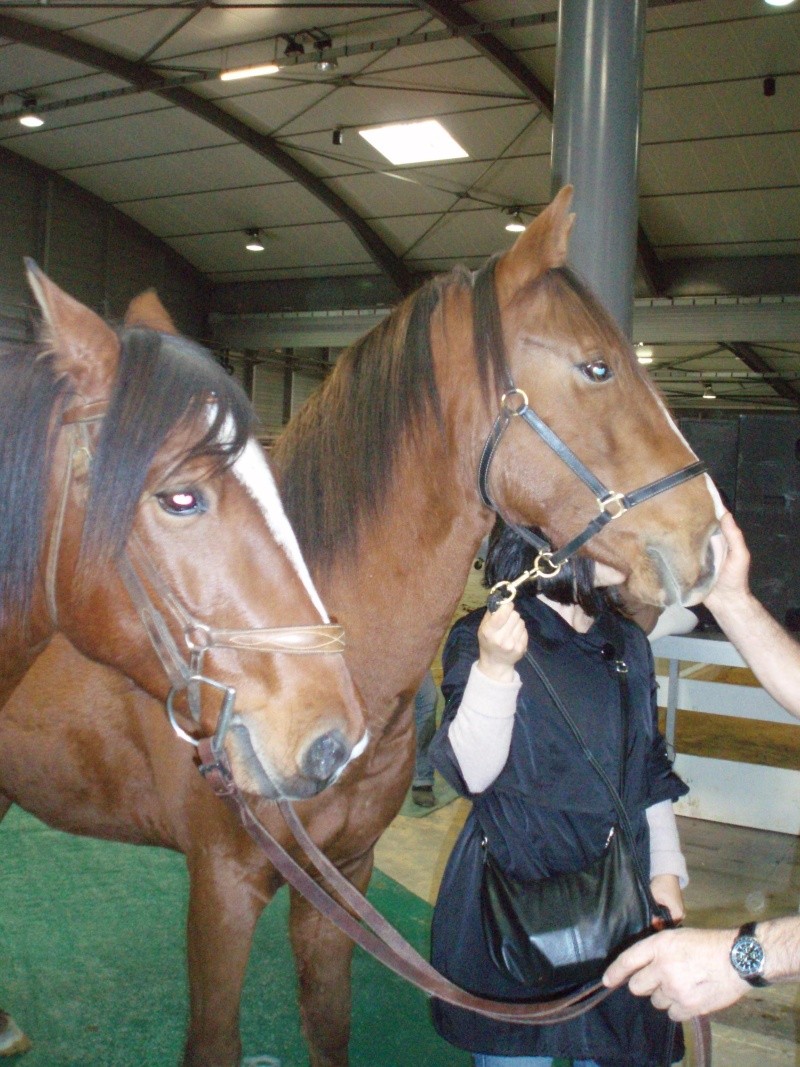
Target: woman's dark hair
{"x": 508, "y": 555}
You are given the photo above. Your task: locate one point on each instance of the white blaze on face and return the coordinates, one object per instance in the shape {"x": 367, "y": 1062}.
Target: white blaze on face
{"x": 252, "y": 470}
{"x": 719, "y": 507}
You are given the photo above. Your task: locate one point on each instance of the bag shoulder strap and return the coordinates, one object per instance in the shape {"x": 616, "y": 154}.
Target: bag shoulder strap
{"x": 624, "y": 821}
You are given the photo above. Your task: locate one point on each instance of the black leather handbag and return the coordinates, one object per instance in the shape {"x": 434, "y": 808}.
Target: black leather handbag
{"x": 559, "y": 933}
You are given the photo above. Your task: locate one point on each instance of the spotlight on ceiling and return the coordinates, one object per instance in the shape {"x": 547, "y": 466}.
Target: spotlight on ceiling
{"x": 325, "y": 64}
{"x": 293, "y": 46}
{"x": 708, "y": 392}
{"x": 29, "y": 117}
{"x": 515, "y": 224}
{"x": 779, "y": 3}
{"x": 254, "y": 242}
{"x": 644, "y": 353}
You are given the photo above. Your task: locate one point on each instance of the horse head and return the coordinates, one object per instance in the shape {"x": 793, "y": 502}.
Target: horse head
{"x": 564, "y": 355}
{"x": 167, "y": 554}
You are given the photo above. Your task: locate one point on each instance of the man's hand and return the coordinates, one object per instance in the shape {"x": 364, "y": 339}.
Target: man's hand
{"x": 732, "y": 584}
{"x": 684, "y": 972}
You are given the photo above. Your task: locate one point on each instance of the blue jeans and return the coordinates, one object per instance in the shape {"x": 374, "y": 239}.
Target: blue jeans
{"x": 481, "y": 1060}
{"x": 425, "y": 722}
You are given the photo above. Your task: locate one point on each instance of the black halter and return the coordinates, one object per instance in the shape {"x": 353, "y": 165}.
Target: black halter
{"x": 611, "y": 504}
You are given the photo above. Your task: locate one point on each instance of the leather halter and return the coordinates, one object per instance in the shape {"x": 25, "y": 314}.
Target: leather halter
{"x": 611, "y": 504}
{"x": 514, "y": 404}
{"x": 182, "y": 665}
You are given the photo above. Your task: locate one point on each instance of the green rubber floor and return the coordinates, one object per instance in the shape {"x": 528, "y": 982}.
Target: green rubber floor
{"x": 92, "y": 963}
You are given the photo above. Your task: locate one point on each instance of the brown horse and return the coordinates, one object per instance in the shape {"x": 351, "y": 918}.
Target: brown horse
{"x": 379, "y": 474}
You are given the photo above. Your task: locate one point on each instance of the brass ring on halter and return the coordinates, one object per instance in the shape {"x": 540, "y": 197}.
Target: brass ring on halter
{"x": 614, "y": 504}
{"x": 546, "y": 559}
{"x": 514, "y": 401}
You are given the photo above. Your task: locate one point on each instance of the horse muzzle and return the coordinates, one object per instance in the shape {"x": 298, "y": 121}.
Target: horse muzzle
{"x": 319, "y": 766}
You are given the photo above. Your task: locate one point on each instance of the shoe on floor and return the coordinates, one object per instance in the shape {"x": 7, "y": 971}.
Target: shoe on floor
{"x": 12, "y": 1039}
{"x": 423, "y": 797}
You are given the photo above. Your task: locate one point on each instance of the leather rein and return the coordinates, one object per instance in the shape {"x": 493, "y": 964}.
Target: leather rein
{"x": 349, "y": 910}
{"x": 183, "y": 665}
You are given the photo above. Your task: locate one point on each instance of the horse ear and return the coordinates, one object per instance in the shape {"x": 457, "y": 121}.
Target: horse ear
{"x": 84, "y": 347}
{"x": 147, "y": 310}
{"x": 541, "y": 247}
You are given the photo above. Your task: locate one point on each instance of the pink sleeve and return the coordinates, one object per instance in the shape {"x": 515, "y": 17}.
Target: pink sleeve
{"x": 480, "y": 733}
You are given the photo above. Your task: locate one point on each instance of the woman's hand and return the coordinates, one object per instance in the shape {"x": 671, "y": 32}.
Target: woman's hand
{"x": 502, "y": 639}
{"x": 666, "y": 890}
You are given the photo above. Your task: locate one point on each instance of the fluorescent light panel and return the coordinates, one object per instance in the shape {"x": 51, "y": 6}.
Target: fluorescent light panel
{"x": 249, "y": 72}
{"x": 414, "y": 142}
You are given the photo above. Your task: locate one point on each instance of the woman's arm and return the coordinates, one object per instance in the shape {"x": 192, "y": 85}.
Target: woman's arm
{"x": 480, "y": 733}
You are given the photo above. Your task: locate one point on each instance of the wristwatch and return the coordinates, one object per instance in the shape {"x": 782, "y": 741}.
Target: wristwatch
{"x": 747, "y": 956}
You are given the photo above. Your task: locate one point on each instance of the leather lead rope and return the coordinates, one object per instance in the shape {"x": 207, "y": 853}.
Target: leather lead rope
{"x": 376, "y": 935}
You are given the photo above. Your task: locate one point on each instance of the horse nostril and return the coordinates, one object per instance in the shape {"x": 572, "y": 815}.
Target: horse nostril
{"x": 325, "y": 756}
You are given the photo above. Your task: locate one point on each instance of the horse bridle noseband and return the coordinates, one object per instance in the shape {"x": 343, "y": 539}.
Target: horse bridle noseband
{"x": 611, "y": 504}
{"x": 183, "y": 667}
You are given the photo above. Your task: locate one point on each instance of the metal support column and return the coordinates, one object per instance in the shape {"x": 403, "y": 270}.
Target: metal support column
{"x": 598, "y": 90}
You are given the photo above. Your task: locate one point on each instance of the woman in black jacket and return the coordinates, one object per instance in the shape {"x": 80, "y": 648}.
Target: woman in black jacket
{"x": 538, "y": 802}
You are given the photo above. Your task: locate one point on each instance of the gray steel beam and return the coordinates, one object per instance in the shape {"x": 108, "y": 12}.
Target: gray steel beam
{"x": 457, "y": 19}
{"x": 748, "y": 355}
{"x": 148, "y": 80}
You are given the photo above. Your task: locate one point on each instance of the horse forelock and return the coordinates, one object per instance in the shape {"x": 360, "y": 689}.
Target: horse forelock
{"x": 164, "y": 383}
{"x": 32, "y": 396}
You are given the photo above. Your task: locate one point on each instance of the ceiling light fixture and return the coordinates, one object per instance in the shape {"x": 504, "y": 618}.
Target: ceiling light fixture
{"x": 426, "y": 141}
{"x": 779, "y": 3}
{"x": 29, "y": 118}
{"x": 259, "y": 71}
{"x": 325, "y": 64}
{"x": 644, "y": 353}
{"x": 515, "y": 224}
{"x": 254, "y": 242}
{"x": 708, "y": 392}
{"x": 293, "y": 46}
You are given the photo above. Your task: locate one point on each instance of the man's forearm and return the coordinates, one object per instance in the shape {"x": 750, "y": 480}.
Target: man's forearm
{"x": 772, "y": 654}
{"x": 781, "y": 941}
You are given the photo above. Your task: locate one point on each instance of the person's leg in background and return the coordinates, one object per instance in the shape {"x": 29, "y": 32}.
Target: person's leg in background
{"x": 425, "y": 720}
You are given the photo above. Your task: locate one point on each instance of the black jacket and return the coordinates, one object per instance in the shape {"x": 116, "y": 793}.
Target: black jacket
{"x": 548, "y": 812}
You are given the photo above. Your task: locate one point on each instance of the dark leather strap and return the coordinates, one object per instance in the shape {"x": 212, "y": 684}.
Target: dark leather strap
{"x": 376, "y": 935}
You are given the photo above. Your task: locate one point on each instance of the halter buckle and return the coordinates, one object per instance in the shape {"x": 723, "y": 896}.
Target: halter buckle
{"x": 515, "y": 401}
{"x": 613, "y": 505}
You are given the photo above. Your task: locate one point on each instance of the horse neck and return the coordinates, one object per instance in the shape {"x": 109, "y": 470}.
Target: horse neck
{"x": 397, "y": 598}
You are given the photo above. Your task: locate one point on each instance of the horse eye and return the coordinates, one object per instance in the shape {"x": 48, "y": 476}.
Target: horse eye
{"x": 597, "y": 371}
{"x": 182, "y": 502}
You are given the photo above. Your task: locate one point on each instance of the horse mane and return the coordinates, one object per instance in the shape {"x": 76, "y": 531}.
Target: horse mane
{"x": 338, "y": 454}
{"x": 163, "y": 383}
{"x": 31, "y": 393}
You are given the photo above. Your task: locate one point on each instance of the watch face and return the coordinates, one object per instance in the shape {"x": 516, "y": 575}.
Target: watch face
{"x": 747, "y": 956}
